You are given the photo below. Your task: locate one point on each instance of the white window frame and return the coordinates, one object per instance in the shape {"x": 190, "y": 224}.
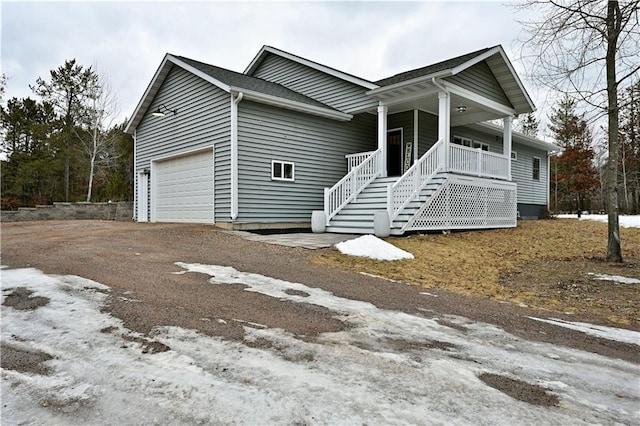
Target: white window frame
{"x": 533, "y": 168}
{"x": 282, "y": 168}
{"x": 514, "y": 156}
{"x": 470, "y": 143}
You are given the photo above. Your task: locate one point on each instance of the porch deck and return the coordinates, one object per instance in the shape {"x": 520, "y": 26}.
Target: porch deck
{"x": 454, "y": 188}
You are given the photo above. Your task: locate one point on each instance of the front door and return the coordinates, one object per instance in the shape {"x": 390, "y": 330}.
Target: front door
{"x": 394, "y": 152}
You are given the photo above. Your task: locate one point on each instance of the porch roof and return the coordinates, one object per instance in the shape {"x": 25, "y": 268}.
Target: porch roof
{"x": 411, "y": 84}
{"x": 518, "y": 137}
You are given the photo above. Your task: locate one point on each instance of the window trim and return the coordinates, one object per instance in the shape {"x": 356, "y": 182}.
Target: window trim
{"x": 471, "y": 143}
{"x": 282, "y": 168}
{"x": 533, "y": 168}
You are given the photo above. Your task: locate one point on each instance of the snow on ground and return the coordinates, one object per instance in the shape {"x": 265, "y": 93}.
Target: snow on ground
{"x": 372, "y": 247}
{"x": 610, "y": 333}
{"x": 385, "y": 367}
{"x": 615, "y": 278}
{"x": 626, "y": 221}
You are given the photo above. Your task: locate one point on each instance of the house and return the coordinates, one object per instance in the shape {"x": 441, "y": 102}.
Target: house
{"x": 288, "y": 137}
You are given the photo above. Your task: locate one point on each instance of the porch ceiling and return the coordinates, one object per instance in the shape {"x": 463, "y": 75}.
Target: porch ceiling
{"x": 428, "y": 102}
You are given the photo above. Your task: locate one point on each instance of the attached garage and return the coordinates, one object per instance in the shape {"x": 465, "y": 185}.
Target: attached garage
{"x": 182, "y": 188}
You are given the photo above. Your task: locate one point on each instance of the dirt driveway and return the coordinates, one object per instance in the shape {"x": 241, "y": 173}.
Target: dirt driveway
{"x": 137, "y": 262}
{"x": 186, "y": 324}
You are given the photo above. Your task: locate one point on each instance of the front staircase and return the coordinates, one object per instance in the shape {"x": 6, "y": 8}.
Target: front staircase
{"x": 357, "y": 216}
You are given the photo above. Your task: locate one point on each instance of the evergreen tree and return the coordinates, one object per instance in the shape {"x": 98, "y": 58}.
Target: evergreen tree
{"x": 529, "y": 125}
{"x": 67, "y": 91}
{"x": 630, "y": 148}
{"x": 573, "y": 173}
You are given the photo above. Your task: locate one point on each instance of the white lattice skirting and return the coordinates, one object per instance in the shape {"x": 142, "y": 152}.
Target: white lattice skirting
{"x": 468, "y": 203}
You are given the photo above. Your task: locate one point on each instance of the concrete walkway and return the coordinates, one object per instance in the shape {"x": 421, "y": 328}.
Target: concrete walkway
{"x": 306, "y": 240}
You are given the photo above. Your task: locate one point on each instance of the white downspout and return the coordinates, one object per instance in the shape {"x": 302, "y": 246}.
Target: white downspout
{"x": 135, "y": 178}
{"x": 235, "y": 100}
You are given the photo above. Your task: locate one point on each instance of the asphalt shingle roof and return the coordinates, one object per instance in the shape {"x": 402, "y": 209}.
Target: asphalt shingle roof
{"x": 430, "y": 69}
{"x": 255, "y": 84}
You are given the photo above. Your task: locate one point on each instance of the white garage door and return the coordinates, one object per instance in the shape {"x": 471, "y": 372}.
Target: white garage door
{"x": 184, "y": 189}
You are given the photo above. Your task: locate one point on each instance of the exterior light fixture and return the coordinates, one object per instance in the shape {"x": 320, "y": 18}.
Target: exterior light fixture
{"x": 461, "y": 108}
{"x": 162, "y": 110}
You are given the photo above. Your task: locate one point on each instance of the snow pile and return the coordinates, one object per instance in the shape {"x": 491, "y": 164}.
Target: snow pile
{"x": 626, "y": 221}
{"x": 609, "y": 333}
{"x": 361, "y": 374}
{"x": 614, "y": 278}
{"x": 372, "y": 247}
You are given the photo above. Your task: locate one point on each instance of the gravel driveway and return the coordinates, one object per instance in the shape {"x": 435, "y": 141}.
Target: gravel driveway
{"x": 144, "y": 265}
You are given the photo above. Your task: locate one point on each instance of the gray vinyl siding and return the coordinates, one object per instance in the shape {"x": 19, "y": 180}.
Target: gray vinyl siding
{"x": 529, "y": 191}
{"x": 481, "y": 80}
{"x": 334, "y": 92}
{"x": 203, "y": 120}
{"x": 427, "y": 131}
{"x": 316, "y": 146}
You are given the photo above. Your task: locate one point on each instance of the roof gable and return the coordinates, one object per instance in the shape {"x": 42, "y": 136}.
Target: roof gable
{"x": 266, "y": 50}
{"x": 430, "y": 69}
{"x": 495, "y": 58}
{"x": 227, "y": 80}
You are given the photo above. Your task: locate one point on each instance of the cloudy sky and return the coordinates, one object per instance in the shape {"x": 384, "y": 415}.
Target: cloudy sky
{"x": 126, "y": 41}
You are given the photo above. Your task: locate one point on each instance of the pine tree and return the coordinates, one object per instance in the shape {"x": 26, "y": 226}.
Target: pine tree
{"x": 573, "y": 173}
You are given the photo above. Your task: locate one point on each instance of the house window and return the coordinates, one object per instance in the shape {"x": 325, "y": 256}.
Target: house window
{"x": 536, "y": 168}
{"x": 282, "y": 170}
{"x": 514, "y": 155}
{"x": 459, "y": 140}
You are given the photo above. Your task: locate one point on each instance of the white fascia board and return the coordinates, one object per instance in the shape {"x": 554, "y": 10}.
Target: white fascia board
{"x": 199, "y": 73}
{"x": 149, "y": 92}
{"x": 323, "y": 68}
{"x": 152, "y": 89}
{"x": 293, "y": 105}
{"x": 421, "y": 79}
{"x": 468, "y": 94}
{"x": 496, "y": 50}
{"x": 471, "y": 62}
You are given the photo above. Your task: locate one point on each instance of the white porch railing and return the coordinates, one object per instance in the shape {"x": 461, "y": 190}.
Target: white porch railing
{"x": 405, "y": 189}
{"x": 354, "y": 160}
{"x": 346, "y": 190}
{"x": 476, "y": 162}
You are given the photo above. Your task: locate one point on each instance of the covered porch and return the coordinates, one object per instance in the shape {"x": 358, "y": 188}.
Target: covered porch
{"x": 444, "y": 107}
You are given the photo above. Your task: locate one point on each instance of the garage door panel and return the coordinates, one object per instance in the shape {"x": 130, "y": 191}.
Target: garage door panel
{"x": 185, "y": 189}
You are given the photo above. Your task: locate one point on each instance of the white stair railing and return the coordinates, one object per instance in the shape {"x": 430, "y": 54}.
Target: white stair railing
{"x": 346, "y": 190}
{"x": 354, "y": 160}
{"x": 405, "y": 189}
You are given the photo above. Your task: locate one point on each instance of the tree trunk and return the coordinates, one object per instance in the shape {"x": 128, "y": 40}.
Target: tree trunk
{"x": 614, "y": 251}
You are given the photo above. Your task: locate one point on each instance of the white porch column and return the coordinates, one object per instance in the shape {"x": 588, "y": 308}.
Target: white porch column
{"x": 415, "y": 136}
{"x": 382, "y": 137}
{"x": 506, "y": 142}
{"x": 444, "y": 121}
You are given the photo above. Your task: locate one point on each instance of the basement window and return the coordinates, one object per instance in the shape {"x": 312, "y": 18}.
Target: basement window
{"x": 282, "y": 170}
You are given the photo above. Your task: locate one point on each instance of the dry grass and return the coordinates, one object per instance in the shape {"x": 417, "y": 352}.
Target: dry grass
{"x": 494, "y": 264}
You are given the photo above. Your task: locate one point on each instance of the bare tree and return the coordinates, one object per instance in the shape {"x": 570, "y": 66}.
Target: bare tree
{"x": 97, "y": 141}
{"x": 587, "y": 48}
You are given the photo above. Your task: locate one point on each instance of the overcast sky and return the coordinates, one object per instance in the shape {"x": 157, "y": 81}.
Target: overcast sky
{"x": 126, "y": 41}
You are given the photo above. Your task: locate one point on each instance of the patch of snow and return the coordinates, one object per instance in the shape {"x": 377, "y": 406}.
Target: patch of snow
{"x": 615, "y": 278}
{"x": 372, "y": 247}
{"x": 609, "y": 333}
{"x": 428, "y": 294}
{"x": 626, "y": 221}
{"x": 357, "y": 375}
